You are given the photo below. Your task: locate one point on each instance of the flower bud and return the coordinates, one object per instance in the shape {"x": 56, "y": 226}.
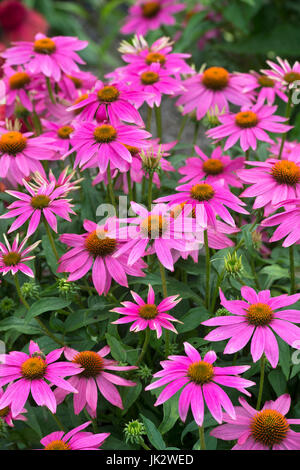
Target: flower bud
{"x": 134, "y": 430}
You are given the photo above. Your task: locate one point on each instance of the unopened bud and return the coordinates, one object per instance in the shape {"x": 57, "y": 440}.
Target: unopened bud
{"x": 134, "y": 430}
{"x": 233, "y": 264}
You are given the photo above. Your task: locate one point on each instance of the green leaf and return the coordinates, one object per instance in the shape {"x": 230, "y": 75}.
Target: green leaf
{"x": 130, "y": 395}
{"x": 83, "y": 318}
{"x": 117, "y": 349}
{"x": 171, "y": 415}
{"x": 278, "y": 382}
{"x": 284, "y": 357}
{"x": 19, "y": 324}
{"x": 192, "y": 319}
{"x": 153, "y": 434}
{"x": 45, "y": 305}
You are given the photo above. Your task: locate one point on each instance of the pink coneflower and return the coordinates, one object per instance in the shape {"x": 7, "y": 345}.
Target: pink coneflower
{"x": 216, "y": 235}
{"x": 13, "y": 257}
{"x": 46, "y": 201}
{"x": 70, "y": 85}
{"x": 264, "y": 87}
{"x": 214, "y": 87}
{"x": 74, "y": 440}
{"x": 248, "y": 126}
{"x": 267, "y": 429}
{"x": 154, "y": 232}
{"x": 257, "y": 315}
{"x": 273, "y": 181}
{"x": 288, "y": 221}
{"x": 200, "y": 379}
{"x": 49, "y": 56}
{"x": 217, "y": 167}
{"x": 113, "y": 98}
{"x": 31, "y": 373}
{"x": 17, "y": 84}
{"x": 152, "y": 83}
{"x": 97, "y": 249}
{"x": 149, "y": 15}
{"x": 140, "y": 55}
{"x": 98, "y": 144}
{"x": 7, "y": 417}
{"x": 60, "y": 134}
{"x": 208, "y": 201}
{"x": 290, "y": 150}
{"x": 144, "y": 315}
{"x": 283, "y": 72}
{"x": 20, "y": 154}
{"x": 95, "y": 374}
{"x": 64, "y": 181}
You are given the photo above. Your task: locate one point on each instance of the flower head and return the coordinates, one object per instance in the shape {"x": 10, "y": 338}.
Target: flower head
{"x": 96, "y": 372}
{"x": 273, "y": 181}
{"x": 152, "y": 83}
{"x": 149, "y": 15}
{"x": 115, "y": 99}
{"x": 214, "y": 87}
{"x": 17, "y": 84}
{"x": 288, "y": 221}
{"x": 267, "y": 429}
{"x": 207, "y": 200}
{"x": 155, "y": 232}
{"x": 97, "y": 249}
{"x": 140, "y": 55}
{"x": 46, "y": 201}
{"x": 200, "y": 379}
{"x": 13, "y": 257}
{"x": 49, "y": 56}
{"x": 97, "y": 145}
{"x": 20, "y": 154}
{"x": 265, "y": 88}
{"x": 216, "y": 168}
{"x": 6, "y": 415}
{"x": 248, "y": 126}
{"x": 31, "y": 372}
{"x": 74, "y": 440}
{"x": 283, "y": 73}
{"x": 257, "y": 317}
{"x": 147, "y": 314}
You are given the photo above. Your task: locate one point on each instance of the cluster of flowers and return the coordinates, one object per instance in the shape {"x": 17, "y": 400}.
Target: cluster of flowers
{"x": 67, "y": 113}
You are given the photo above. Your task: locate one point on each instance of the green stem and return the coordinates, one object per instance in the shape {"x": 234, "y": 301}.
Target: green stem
{"x": 202, "y": 438}
{"x": 254, "y": 273}
{"x": 41, "y": 324}
{"x": 196, "y": 129}
{"x": 58, "y": 421}
{"x": 51, "y": 239}
{"x": 287, "y": 115}
{"x": 129, "y": 184}
{"x": 292, "y": 269}
{"x": 207, "y": 262}
{"x": 261, "y": 381}
{"x": 145, "y": 345}
{"x": 216, "y": 290}
{"x": 143, "y": 444}
{"x": 149, "y": 118}
{"x": 157, "y": 111}
{"x": 150, "y": 186}
{"x": 165, "y": 294}
{"x": 183, "y": 123}
{"x": 110, "y": 187}
{"x": 50, "y": 91}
